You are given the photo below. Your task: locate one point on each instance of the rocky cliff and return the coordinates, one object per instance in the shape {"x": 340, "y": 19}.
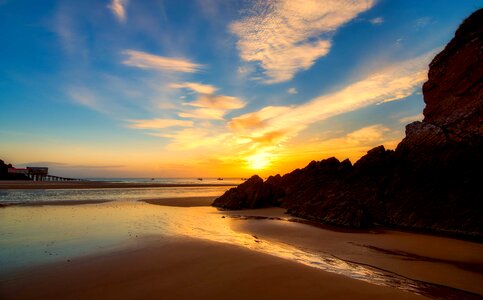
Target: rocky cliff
{"x": 432, "y": 181}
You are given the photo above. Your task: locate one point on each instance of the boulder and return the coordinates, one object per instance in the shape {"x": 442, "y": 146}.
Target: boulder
{"x": 253, "y": 193}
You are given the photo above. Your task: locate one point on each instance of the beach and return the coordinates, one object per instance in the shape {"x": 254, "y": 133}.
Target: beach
{"x": 188, "y": 269}
{"x": 179, "y": 248}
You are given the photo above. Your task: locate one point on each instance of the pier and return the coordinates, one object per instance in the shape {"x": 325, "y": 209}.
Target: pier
{"x": 40, "y": 174}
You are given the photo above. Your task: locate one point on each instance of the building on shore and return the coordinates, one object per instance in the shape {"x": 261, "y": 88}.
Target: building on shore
{"x": 34, "y": 173}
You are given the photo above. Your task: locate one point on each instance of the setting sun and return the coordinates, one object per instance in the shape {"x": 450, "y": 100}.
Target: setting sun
{"x": 258, "y": 161}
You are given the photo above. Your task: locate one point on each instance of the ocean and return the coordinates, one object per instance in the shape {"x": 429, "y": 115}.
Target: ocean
{"x": 199, "y": 189}
{"x": 234, "y": 181}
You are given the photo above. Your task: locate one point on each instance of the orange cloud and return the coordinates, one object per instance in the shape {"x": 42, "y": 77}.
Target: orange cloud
{"x": 352, "y": 145}
{"x": 392, "y": 83}
{"x": 268, "y": 138}
{"x": 204, "y": 113}
{"x": 118, "y": 7}
{"x": 218, "y": 102}
{"x": 145, "y": 60}
{"x": 158, "y": 123}
{"x": 258, "y": 119}
{"x": 212, "y": 107}
{"x": 195, "y": 138}
{"x": 194, "y": 86}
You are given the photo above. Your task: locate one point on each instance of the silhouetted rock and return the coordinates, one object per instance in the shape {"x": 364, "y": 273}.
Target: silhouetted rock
{"x": 253, "y": 193}
{"x": 432, "y": 181}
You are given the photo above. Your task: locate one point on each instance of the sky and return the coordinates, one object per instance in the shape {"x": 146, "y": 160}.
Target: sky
{"x": 212, "y": 88}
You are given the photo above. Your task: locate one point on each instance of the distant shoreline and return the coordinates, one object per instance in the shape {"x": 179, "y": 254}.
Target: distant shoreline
{"x": 168, "y": 201}
{"x": 25, "y": 184}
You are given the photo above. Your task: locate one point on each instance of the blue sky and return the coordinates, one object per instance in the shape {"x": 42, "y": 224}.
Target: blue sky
{"x": 211, "y": 88}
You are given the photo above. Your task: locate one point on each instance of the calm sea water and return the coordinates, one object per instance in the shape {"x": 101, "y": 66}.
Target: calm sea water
{"x": 234, "y": 181}
{"x": 122, "y": 194}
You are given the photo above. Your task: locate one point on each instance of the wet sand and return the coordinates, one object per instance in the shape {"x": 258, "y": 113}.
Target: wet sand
{"x": 182, "y": 202}
{"x": 440, "y": 260}
{"x": 180, "y": 266}
{"x": 187, "y": 269}
{"x": 20, "y": 184}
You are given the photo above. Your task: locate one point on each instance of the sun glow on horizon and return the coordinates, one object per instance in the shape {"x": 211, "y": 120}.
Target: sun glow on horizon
{"x": 259, "y": 161}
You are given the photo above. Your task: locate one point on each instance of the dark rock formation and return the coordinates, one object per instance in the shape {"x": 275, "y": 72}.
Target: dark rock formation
{"x": 454, "y": 91}
{"x": 432, "y": 181}
{"x": 253, "y": 193}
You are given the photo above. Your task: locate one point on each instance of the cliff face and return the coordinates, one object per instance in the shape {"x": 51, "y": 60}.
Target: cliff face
{"x": 453, "y": 93}
{"x": 432, "y": 181}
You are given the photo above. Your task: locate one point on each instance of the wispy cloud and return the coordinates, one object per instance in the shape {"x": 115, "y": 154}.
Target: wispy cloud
{"x": 377, "y": 21}
{"x": 42, "y": 164}
{"x": 351, "y": 145}
{"x": 367, "y": 135}
{"x": 158, "y": 123}
{"x": 258, "y": 119}
{"x": 292, "y": 91}
{"x": 145, "y": 60}
{"x": 422, "y": 22}
{"x": 118, "y": 8}
{"x": 85, "y": 97}
{"x": 278, "y": 124}
{"x": 195, "y": 138}
{"x": 59, "y": 165}
{"x": 218, "y": 102}
{"x": 212, "y": 106}
{"x": 204, "y": 113}
{"x": 286, "y": 36}
{"x": 96, "y": 166}
{"x": 195, "y": 86}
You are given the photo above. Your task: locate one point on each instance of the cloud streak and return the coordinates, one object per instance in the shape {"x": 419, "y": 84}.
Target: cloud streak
{"x": 194, "y": 86}
{"x": 275, "y": 124}
{"x": 286, "y": 36}
{"x": 376, "y": 21}
{"x": 86, "y": 97}
{"x": 118, "y": 8}
{"x": 212, "y": 106}
{"x": 158, "y": 123}
{"x": 195, "y": 138}
{"x": 145, "y": 60}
